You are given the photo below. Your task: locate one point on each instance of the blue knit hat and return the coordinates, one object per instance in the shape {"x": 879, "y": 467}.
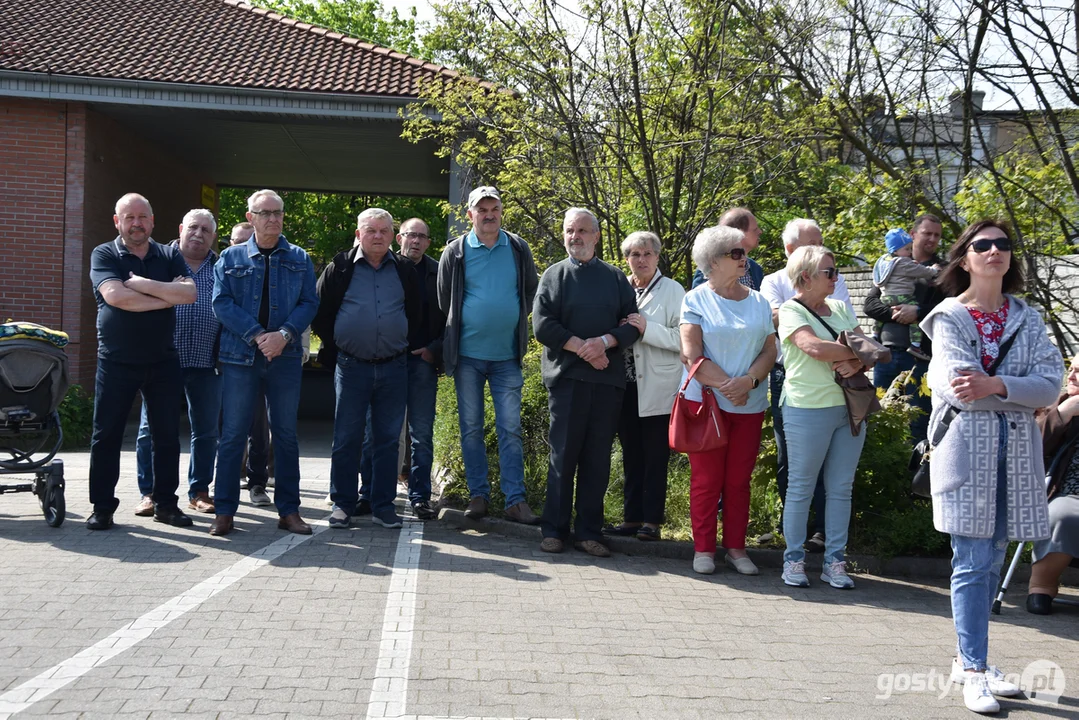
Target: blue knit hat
{"x": 897, "y": 238}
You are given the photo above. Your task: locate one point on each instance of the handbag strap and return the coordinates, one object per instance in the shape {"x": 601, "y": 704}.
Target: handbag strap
{"x": 835, "y": 335}
{"x": 692, "y": 371}
{"x": 1004, "y": 348}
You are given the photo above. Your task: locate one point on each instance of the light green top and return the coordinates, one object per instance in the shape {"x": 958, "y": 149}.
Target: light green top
{"x": 811, "y": 383}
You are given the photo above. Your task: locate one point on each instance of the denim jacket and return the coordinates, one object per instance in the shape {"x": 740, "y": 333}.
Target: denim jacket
{"x": 238, "y": 278}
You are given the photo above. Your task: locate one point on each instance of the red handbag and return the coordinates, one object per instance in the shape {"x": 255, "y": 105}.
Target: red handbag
{"x": 699, "y": 429}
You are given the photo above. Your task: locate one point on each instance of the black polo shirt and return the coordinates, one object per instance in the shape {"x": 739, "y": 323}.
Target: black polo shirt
{"x": 135, "y": 337}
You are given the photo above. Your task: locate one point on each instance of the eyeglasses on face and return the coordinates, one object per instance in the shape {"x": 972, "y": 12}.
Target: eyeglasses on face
{"x": 414, "y": 236}
{"x": 982, "y": 245}
{"x": 641, "y": 254}
{"x": 735, "y": 253}
{"x": 266, "y": 214}
{"x": 830, "y": 273}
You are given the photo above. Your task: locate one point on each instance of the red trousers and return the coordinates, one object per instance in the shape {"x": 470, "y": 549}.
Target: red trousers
{"x": 724, "y": 473}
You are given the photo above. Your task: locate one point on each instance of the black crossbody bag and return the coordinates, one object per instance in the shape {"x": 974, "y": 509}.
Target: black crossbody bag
{"x": 923, "y": 451}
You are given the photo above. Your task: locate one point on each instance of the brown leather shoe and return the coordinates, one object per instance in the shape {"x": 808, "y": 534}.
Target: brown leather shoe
{"x": 477, "y": 508}
{"x": 521, "y": 513}
{"x": 145, "y": 508}
{"x": 201, "y": 503}
{"x": 294, "y": 524}
{"x": 551, "y": 545}
{"x": 593, "y": 548}
{"x": 222, "y": 525}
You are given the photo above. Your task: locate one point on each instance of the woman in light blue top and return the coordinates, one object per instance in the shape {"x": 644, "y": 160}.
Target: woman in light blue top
{"x": 731, "y": 326}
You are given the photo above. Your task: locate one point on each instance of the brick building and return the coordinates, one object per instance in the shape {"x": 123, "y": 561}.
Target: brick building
{"x": 172, "y": 99}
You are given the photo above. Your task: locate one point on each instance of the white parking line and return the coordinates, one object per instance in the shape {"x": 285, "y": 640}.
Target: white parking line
{"x": 56, "y": 677}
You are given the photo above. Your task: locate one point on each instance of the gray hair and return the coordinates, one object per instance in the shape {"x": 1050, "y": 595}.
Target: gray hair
{"x": 575, "y": 211}
{"x": 370, "y": 214}
{"x": 713, "y": 243}
{"x": 260, "y": 194}
{"x": 201, "y": 213}
{"x": 641, "y": 238}
{"x": 793, "y": 230}
{"x": 130, "y": 197}
{"x": 806, "y": 259}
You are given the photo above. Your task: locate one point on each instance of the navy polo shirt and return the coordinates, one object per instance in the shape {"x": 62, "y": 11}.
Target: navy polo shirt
{"x": 135, "y": 337}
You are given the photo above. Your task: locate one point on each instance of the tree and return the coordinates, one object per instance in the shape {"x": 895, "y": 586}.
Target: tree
{"x": 363, "y": 19}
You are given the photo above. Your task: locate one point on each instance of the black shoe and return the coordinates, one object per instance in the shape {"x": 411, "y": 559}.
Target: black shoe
{"x": 171, "y": 516}
{"x": 363, "y": 507}
{"x": 622, "y": 530}
{"x": 815, "y": 544}
{"x": 423, "y": 510}
{"x": 1039, "y": 604}
{"x": 99, "y": 521}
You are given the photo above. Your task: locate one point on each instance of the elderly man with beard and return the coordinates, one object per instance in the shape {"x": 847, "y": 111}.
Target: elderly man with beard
{"x": 579, "y": 316}
{"x": 196, "y": 338}
{"x": 137, "y": 282}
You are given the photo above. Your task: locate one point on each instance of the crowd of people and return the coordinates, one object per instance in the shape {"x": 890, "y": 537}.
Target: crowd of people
{"x": 230, "y": 331}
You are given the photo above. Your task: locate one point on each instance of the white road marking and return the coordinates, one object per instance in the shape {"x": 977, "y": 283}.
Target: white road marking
{"x": 58, "y": 676}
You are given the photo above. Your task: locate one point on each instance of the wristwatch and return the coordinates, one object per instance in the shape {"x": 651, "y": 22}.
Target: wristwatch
{"x": 756, "y": 382}
{"x": 603, "y": 339}
{"x": 288, "y": 338}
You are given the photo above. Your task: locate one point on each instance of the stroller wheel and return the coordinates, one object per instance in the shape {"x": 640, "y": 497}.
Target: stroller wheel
{"x": 53, "y": 504}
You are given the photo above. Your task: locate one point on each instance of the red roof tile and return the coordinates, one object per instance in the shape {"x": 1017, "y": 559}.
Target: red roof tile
{"x": 201, "y": 42}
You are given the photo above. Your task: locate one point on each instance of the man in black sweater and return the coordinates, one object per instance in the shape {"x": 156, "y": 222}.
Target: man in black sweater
{"x": 579, "y": 317}
{"x": 895, "y": 334}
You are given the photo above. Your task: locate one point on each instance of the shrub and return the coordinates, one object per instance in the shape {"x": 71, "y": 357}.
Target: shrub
{"x": 76, "y": 418}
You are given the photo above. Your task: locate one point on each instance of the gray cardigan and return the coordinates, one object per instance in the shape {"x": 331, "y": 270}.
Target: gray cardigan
{"x": 451, "y": 294}
{"x": 965, "y": 463}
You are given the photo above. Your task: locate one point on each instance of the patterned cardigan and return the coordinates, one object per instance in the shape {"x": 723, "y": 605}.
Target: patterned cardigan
{"x": 965, "y": 463}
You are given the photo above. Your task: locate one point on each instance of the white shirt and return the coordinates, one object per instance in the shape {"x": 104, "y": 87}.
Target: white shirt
{"x": 733, "y": 333}
{"x": 777, "y": 289}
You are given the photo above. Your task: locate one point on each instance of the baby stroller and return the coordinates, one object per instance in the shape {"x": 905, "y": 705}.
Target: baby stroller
{"x": 33, "y": 382}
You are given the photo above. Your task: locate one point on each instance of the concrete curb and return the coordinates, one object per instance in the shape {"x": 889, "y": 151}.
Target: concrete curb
{"x": 900, "y": 567}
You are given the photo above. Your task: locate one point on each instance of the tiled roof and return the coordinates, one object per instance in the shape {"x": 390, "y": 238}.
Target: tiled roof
{"x": 202, "y": 42}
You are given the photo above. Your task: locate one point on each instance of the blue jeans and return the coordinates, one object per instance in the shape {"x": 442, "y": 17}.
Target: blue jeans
{"x": 280, "y": 380}
{"x": 361, "y": 386}
{"x": 115, "y": 387}
{"x": 506, "y": 382}
{"x": 420, "y": 414}
{"x": 819, "y": 439}
{"x": 775, "y": 388}
{"x": 202, "y": 386}
{"x": 976, "y": 564}
{"x": 885, "y": 373}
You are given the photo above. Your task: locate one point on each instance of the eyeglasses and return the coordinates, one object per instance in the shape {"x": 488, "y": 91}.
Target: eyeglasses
{"x": 645, "y": 254}
{"x": 830, "y": 273}
{"x": 735, "y": 253}
{"x": 982, "y": 245}
{"x": 414, "y": 236}
{"x": 266, "y": 214}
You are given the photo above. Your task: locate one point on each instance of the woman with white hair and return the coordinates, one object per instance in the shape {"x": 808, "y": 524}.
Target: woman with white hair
{"x": 815, "y": 413}
{"x": 731, "y": 326}
{"x": 653, "y": 372}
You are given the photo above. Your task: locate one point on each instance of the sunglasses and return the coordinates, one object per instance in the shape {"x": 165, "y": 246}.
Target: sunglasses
{"x": 982, "y": 245}
{"x": 830, "y": 273}
{"x": 736, "y": 253}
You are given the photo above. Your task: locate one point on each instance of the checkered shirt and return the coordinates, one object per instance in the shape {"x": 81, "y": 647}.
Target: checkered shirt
{"x": 196, "y": 325}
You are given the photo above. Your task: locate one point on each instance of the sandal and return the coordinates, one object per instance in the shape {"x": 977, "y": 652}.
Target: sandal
{"x": 622, "y": 530}
{"x": 647, "y": 533}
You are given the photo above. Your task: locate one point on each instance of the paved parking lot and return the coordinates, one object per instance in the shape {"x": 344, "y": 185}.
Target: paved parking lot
{"x": 435, "y": 622}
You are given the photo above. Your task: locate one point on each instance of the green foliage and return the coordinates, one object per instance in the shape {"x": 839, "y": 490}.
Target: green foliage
{"x": 325, "y": 224}
{"x": 76, "y": 418}
{"x": 363, "y": 19}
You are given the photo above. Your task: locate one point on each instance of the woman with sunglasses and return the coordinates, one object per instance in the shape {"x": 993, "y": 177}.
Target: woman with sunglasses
{"x": 815, "y": 414}
{"x": 992, "y": 367}
{"x": 731, "y": 326}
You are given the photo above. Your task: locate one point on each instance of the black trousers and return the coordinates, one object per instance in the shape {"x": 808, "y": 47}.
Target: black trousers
{"x": 584, "y": 418}
{"x": 258, "y": 444}
{"x": 645, "y": 454}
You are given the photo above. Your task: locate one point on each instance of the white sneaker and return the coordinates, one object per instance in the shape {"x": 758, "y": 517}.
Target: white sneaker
{"x": 835, "y": 574}
{"x": 704, "y": 563}
{"x": 976, "y": 694}
{"x": 259, "y": 498}
{"x": 743, "y": 565}
{"x": 794, "y": 573}
{"x": 994, "y": 678}
{"x": 329, "y": 500}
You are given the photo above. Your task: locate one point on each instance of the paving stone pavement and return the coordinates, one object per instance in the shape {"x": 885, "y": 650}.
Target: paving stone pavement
{"x": 499, "y": 629}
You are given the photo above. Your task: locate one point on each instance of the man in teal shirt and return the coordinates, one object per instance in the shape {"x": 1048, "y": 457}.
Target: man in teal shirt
{"x": 486, "y": 284}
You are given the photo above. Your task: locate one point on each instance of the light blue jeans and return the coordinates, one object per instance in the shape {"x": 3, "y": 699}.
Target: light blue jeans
{"x": 976, "y": 564}
{"x": 506, "y": 382}
{"x": 819, "y": 438}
